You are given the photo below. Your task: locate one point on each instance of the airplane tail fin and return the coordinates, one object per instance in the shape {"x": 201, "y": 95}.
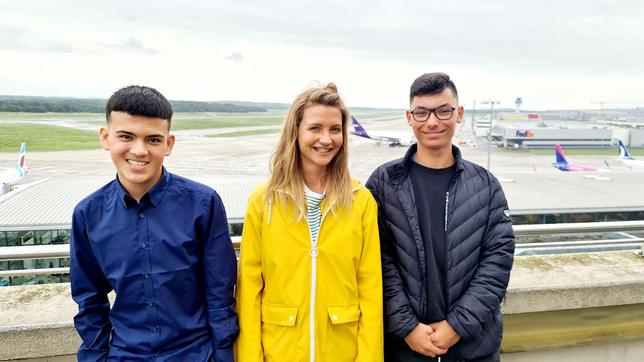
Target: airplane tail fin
{"x": 623, "y": 151}
{"x": 358, "y": 130}
{"x": 560, "y": 156}
{"x": 21, "y": 167}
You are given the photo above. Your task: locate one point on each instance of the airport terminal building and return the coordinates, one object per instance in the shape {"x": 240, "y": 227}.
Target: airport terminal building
{"x": 537, "y": 137}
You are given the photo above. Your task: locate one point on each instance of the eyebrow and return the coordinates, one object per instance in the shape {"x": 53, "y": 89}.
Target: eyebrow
{"x": 442, "y": 105}
{"x": 319, "y": 124}
{"x": 132, "y": 134}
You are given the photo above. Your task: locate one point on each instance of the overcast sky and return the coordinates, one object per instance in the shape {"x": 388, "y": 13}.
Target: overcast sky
{"x": 553, "y": 54}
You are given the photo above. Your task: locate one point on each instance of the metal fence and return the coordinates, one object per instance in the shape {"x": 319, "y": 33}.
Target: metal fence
{"x": 623, "y": 227}
{"x": 45, "y": 252}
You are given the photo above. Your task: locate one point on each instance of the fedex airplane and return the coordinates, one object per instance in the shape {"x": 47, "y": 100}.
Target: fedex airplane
{"x": 13, "y": 175}
{"x": 393, "y": 138}
{"x": 563, "y": 164}
{"x": 626, "y": 157}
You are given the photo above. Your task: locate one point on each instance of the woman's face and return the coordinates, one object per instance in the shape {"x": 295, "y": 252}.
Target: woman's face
{"x": 319, "y": 136}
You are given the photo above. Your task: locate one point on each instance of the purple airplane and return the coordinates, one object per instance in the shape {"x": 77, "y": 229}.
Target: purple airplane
{"x": 563, "y": 164}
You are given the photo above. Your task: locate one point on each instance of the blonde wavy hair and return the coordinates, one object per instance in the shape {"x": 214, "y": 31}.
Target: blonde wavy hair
{"x": 286, "y": 182}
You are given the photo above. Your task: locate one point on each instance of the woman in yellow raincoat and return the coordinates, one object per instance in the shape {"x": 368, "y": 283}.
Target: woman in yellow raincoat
{"x": 309, "y": 285}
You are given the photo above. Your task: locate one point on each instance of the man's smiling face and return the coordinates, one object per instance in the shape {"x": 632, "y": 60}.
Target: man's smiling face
{"x": 137, "y": 146}
{"x": 434, "y": 134}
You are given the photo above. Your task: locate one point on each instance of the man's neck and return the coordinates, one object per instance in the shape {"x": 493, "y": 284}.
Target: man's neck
{"x": 435, "y": 158}
{"x": 137, "y": 191}
{"x": 137, "y": 194}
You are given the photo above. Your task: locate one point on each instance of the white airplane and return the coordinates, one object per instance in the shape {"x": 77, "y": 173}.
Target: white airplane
{"x": 9, "y": 177}
{"x": 393, "y": 138}
{"x": 626, "y": 157}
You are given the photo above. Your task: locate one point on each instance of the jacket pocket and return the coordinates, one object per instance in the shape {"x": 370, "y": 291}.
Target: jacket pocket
{"x": 279, "y": 332}
{"x": 342, "y": 332}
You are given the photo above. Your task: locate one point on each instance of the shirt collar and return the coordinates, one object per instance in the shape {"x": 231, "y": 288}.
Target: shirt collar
{"x": 308, "y": 191}
{"x": 153, "y": 196}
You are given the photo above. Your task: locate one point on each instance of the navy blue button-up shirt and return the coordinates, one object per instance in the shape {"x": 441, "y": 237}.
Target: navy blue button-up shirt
{"x": 171, "y": 264}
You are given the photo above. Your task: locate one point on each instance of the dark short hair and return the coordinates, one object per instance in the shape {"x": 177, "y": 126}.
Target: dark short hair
{"x": 138, "y": 100}
{"x": 431, "y": 83}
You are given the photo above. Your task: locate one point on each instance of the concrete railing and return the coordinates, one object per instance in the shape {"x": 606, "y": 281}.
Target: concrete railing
{"x": 574, "y": 307}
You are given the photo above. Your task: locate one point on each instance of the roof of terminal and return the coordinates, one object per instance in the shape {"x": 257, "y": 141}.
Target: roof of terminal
{"x": 51, "y": 202}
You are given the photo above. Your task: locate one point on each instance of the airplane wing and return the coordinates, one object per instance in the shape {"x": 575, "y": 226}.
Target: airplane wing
{"x": 388, "y": 139}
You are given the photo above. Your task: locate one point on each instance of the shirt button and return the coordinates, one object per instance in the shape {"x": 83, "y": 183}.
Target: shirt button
{"x": 144, "y": 245}
{"x": 291, "y": 318}
{"x": 150, "y": 303}
{"x": 153, "y": 329}
{"x": 335, "y": 317}
{"x": 141, "y": 216}
{"x": 156, "y": 355}
{"x": 146, "y": 275}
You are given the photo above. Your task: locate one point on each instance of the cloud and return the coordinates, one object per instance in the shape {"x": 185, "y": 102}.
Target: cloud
{"x": 502, "y": 35}
{"x": 583, "y": 50}
{"x": 236, "y": 57}
{"x": 19, "y": 38}
{"x": 12, "y": 37}
{"x": 133, "y": 45}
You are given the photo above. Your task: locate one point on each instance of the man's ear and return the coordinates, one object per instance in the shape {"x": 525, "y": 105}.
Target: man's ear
{"x": 169, "y": 144}
{"x": 102, "y": 135}
{"x": 408, "y": 116}
{"x": 461, "y": 112}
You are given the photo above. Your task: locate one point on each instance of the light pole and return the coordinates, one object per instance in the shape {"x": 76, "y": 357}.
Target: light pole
{"x": 472, "y": 126}
{"x": 491, "y": 102}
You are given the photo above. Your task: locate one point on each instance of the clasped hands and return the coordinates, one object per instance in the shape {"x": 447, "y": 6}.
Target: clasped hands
{"x": 432, "y": 339}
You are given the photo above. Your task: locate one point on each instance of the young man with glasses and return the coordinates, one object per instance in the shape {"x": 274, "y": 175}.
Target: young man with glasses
{"x": 446, "y": 239}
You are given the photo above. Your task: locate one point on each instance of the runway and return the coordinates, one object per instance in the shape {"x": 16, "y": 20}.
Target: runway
{"x": 529, "y": 180}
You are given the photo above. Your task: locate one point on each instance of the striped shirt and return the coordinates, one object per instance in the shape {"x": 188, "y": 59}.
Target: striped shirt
{"x": 313, "y": 213}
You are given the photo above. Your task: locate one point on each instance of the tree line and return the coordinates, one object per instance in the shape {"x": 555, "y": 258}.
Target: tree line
{"x": 93, "y": 105}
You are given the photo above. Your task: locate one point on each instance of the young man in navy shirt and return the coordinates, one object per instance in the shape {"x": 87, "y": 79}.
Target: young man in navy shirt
{"x": 159, "y": 241}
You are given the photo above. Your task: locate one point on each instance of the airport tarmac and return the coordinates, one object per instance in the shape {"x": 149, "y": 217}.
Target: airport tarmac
{"x": 529, "y": 180}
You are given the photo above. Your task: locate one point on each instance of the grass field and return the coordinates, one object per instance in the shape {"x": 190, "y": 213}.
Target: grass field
{"x": 252, "y": 132}
{"x": 187, "y": 122}
{"x": 590, "y": 151}
{"x": 22, "y": 116}
{"x": 45, "y": 138}
{"x": 180, "y": 121}
{"x": 54, "y": 138}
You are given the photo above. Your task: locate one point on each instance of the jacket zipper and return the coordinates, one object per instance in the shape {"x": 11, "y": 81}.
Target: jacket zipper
{"x": 451, "y": 182}
{"x": 449, "y": 187}
{"x": 446, "y": 208}
{"x": 314, "y": 253}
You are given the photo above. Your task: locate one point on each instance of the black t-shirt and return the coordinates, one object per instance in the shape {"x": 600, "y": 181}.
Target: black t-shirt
{"x": 430, "y": 191}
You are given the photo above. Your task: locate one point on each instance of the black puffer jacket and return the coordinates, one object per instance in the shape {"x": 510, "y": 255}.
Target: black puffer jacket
{"x": 479, "y": 254}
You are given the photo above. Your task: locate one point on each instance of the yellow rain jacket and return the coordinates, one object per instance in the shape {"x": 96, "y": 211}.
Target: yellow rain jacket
{"x": 278, "y": 267}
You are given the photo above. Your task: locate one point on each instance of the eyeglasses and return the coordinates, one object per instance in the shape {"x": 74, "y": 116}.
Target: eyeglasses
{"x": 442, "y": 113}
